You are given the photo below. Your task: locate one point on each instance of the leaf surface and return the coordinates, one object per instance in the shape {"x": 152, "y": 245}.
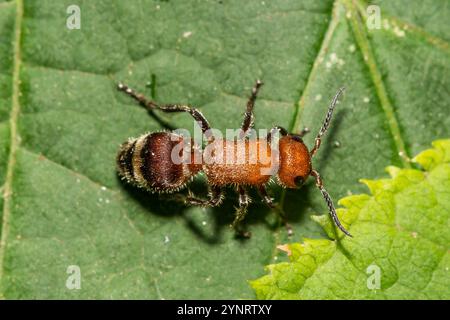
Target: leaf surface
{"x": 62, "y": 120}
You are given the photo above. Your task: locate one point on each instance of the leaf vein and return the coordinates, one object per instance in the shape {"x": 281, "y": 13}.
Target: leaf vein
{"x": 7, "y": 191}
{"x": 377, "y": 79}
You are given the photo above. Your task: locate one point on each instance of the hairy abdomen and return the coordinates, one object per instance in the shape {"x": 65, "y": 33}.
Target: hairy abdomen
{"x": 148, "y": 162}
{"x": 239, "y": 162}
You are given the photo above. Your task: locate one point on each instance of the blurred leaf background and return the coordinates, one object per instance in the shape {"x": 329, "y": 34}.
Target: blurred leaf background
{"x": 62, "y": 120}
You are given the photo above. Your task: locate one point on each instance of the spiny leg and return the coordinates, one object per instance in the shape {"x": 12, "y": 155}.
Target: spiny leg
{"x": 215, "y": 197}
{"x": 269, "y": 202}
{"x": 241, "y": 212}
{"x": 329, "y": 202}
{"x": 248, "y": 117}
{"x": 151, "y": 105}
{"x": 265, "y": 196}
{"x": 326, "y": 122}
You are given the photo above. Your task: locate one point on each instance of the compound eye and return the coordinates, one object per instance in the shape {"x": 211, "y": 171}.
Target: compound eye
{"x": 299, "y": 181}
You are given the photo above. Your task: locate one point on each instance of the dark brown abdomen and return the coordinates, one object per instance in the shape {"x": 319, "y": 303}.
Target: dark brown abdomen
{"x": 154, "y": 161}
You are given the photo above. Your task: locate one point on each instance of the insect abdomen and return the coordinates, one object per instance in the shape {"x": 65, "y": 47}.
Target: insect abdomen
{"x": 148, "y": 162}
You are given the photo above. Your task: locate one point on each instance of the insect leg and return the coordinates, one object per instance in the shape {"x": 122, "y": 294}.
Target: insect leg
{"x": 329, "y": 202}
{"x": 241, "y": 212}
{"x": 274, "y": 130}
{"x": 151, "y": 105}
{"x": 304, "y": 132}
{"x": 269, "y": 201}
{"x": 215, "y": 197}
{"x": 248, "y": 117}
{"x": 265, "y": 196}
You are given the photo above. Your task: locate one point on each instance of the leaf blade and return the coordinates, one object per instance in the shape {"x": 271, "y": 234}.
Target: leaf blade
{"x": 400, "y": 229}
{"x": 72, "y": 120}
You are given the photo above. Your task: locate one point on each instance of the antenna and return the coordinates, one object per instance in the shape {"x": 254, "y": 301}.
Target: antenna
{"x": 329, "y": 202}
{"x": 326, "y": 122}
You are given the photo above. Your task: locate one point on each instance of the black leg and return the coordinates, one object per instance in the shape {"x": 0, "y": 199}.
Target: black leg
{"x": 272, "y": 131}
{"x": 150, "y": 105}
{"x": 248, "y": 117}
{"x": 301, "y": 134}
{"x": 241, "y": 212}
{"x": 269, "y": 201}
{"x": 284, "y": 132}
{"x": 265, "y": 196}
{"x": 304, "y": 132}
{"x": 215, "y": 197}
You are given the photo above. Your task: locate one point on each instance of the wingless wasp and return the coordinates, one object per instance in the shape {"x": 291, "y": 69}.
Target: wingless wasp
{"x": 147, "y": 161}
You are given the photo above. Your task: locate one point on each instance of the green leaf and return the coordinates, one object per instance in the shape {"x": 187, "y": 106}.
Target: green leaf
{"x": 62, "y": 120}
{"x": 400, "y": 231}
